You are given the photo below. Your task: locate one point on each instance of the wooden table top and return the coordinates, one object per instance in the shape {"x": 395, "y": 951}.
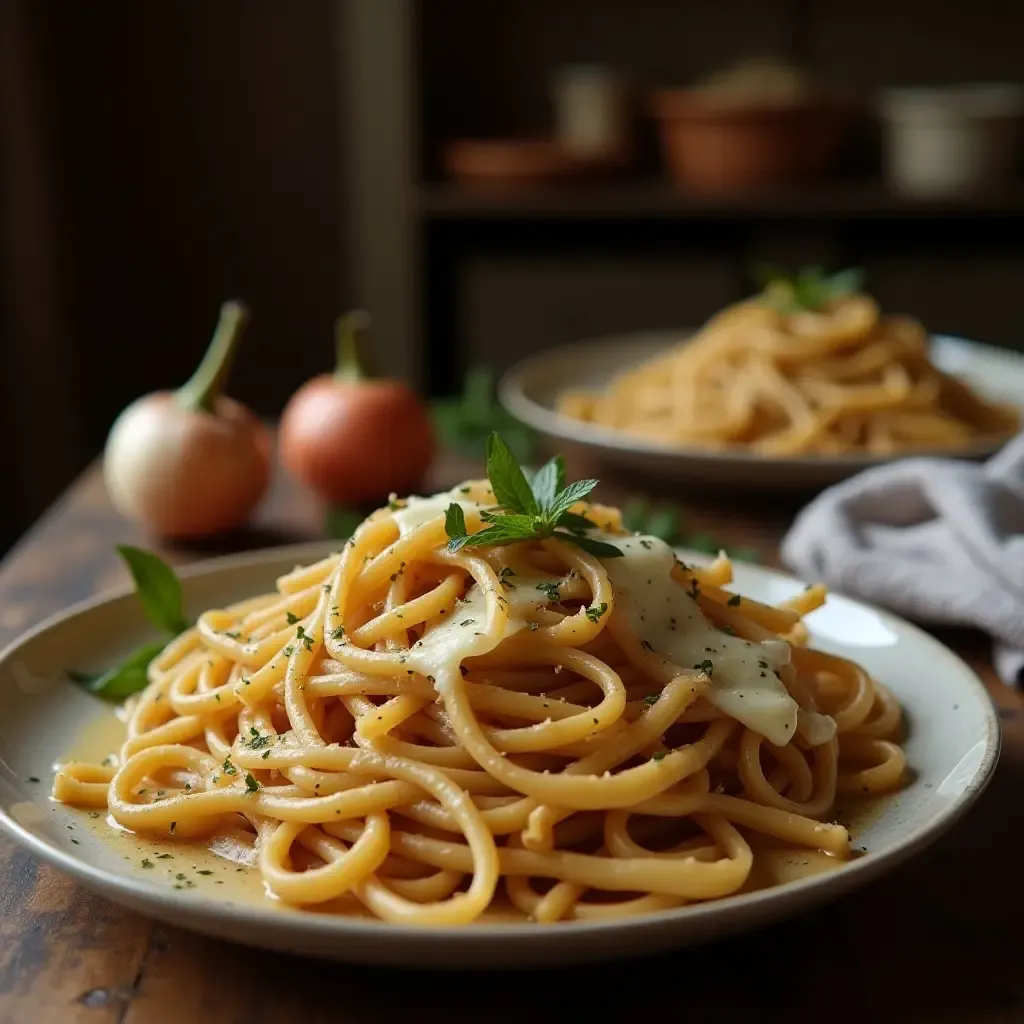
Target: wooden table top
{"x": 938, "y": 940}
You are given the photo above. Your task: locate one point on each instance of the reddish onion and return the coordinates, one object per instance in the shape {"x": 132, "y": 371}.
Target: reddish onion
{"x": 352, "y": 439}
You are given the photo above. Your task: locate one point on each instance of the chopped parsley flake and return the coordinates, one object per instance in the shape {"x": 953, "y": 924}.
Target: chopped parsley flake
{"x": 734, "y": 601}
{"x": 549, "y": 589}
{"x": 651, "y": 699}
{"x": 659, "y": 756}
{"x": 292, "y": 618}
{"x": 229, "y": 768}
{"x": 250, "y": 783}
{"x": 706, "y": 666}
{"x": 595, "y": 611}
{"x": 302, "y": 635}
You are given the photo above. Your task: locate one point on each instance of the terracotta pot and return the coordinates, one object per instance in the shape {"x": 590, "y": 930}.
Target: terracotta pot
{"x": 711, "y": 146}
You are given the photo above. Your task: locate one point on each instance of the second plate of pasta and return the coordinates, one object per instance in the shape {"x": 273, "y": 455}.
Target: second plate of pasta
{"x": 554, "y": 393}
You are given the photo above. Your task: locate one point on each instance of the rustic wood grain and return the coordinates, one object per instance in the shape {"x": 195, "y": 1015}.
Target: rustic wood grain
{"x": 936, "y": 941}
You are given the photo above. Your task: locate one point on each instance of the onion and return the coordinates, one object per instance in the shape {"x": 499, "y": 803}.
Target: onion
{"x": 193, "y": 462}
{"x": 355, "y": 440}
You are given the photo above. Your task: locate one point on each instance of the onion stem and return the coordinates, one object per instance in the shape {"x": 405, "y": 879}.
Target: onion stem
{"x": 347, "y": 332}
{"x": 201, "y": 390}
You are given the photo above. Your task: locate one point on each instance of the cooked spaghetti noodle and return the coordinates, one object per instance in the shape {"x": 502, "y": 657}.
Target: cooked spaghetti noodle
{"x": 839, "y": 380}
{"x": 426, "y": 736}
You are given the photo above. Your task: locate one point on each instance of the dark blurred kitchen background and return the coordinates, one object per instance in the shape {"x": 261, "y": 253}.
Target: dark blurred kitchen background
{"x": 158, "y": 157}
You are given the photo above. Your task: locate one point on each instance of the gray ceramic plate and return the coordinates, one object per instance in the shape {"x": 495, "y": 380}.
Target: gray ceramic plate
{"x": 529, "y": 391}
{"x": 952, "y": 748}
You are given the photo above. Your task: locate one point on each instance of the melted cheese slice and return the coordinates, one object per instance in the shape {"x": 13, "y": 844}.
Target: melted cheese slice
{"x": 744, "y": 683}
{"x": 744, "y": 680}
{"x": 418, "y": 511}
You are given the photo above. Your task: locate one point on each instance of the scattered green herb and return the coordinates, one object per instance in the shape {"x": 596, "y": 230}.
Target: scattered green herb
{"x": 550, "y": 590}
{"x": 651, "y": 699}
{"x": 595, "y": 611}
{"x": 291, "y": 617}
{"x": 464, "y": 423}
{"x": 660, "y": 755}
{"x": 250, "y": 783}
{"x": 706, "y": 666}
{"x": 734, "y": 601}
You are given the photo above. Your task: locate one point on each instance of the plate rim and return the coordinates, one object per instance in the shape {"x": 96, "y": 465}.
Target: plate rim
{"x": 171, "y": 905}
{"x": 512, "y": 395}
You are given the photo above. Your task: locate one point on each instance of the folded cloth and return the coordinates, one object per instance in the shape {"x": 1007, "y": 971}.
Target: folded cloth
{"x": 937, "y": 540}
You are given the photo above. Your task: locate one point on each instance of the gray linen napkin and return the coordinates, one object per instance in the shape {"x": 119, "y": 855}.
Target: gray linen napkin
{"x": 937, "y": 540}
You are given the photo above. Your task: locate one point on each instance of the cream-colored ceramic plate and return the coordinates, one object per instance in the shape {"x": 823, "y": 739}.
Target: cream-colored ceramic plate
{"x": 529, "y": 391}
{"x": 952, "y": 748}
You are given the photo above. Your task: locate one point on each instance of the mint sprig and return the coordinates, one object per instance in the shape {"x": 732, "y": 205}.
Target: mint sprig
{"x": 528, "y": 510}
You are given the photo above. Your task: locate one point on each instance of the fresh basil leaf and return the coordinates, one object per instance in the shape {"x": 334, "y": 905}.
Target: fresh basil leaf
{"x": 498, "y": 534}
{"x": 507, "y": 479}
{"x": 565, "y": 499}
{"x": 591, "y": 546}
{"x": 159, "y": 589}
{"x": 664, "y": 524}
{"x": 548, "y": 481}
{"x": 576, "y": 523}
{"x": 127, "y": 678}
{"x": 455, "y": 521}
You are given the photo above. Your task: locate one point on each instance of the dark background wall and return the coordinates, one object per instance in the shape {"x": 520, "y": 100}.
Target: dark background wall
{"x": 158, "y": 157}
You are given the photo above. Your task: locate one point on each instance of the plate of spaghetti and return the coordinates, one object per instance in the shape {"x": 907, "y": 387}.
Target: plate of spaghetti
{"x": 805, "y": 383}
{"x": 492, "y": 728}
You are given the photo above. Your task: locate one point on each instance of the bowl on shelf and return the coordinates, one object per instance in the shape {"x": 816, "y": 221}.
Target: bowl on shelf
{"x": 523, "y": 161}
{"x": 757, "y": 125}
{"x": 951, "y": 140}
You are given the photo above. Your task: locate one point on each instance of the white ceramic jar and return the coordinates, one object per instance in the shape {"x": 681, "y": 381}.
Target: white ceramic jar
{"x": 953, "y": 140}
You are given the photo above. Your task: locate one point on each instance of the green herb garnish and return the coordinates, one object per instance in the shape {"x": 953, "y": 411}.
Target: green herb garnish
{"x": 550, "y": 590}
{"x": 595, "y": 611}
{"x": 229, "y": 768}
{"x": 808, "y": 290}
{"x": 651, "y": 699}
{"x": 734, "y": 601}
{"x": 527, "y": 510}
{"x": 159, "y": 593}
{"x": 250, "y": 783}
{"x": 706, "y": 666}
{"x": 464, "y": 423}
{"x": 291, "y": 617}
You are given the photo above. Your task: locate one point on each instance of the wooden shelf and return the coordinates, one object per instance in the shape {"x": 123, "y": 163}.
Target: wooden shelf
{"x": 646, "y": 199}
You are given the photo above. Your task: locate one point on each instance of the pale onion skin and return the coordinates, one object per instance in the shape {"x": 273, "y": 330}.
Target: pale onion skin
{"x": 187, "y": 474}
